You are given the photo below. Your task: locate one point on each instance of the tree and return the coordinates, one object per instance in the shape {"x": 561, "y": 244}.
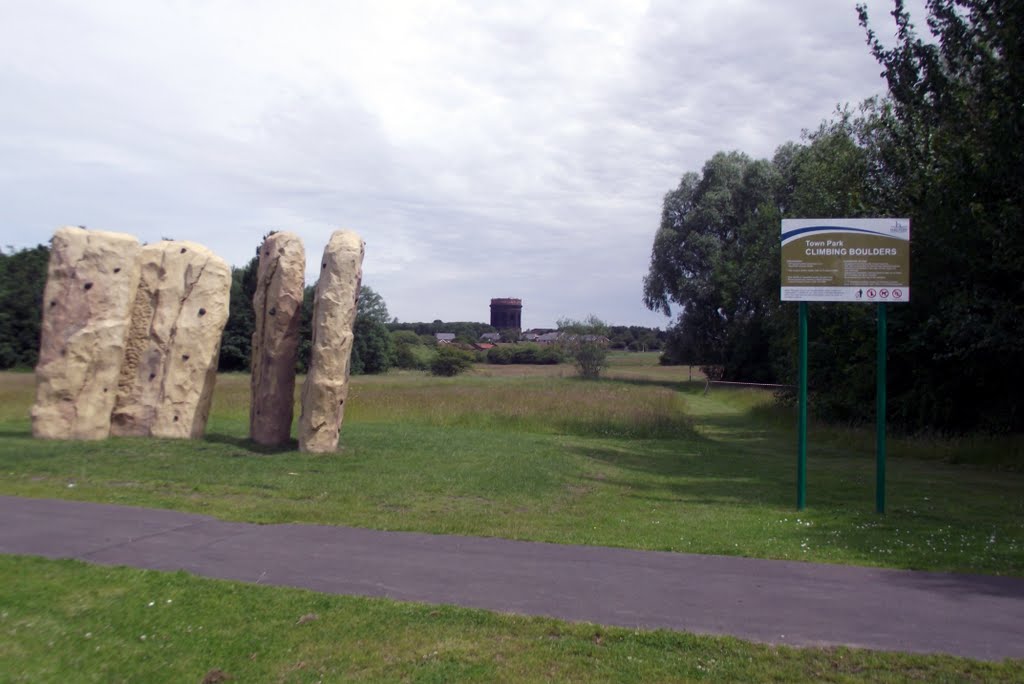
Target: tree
{"x": 586, "y": 341}
{"x": 22, "y": 279}
{"x": 371, "y": 306}
{"x": 305, "y": 330}
{"x": 236, "y": 341}
{"x": 372, "y": 349}
{"x": 949, "y": 136}
{"x": 716, "y": 257}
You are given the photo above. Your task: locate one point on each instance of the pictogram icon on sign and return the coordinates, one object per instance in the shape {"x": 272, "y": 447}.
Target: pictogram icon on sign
{"x": 871, "y": 294}
{"x": 883, "y": 293}
{"x": 897, "y": 294}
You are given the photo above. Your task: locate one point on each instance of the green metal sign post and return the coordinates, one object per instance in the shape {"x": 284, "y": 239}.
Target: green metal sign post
{"x": 880, "y": 413}
{"x": 845, "y": 260}
{"x": 801, "y": 449}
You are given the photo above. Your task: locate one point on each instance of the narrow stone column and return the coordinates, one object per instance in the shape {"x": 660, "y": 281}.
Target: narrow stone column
{"x": 90, "y": 286}
{"x": 275, "y": 341}
{"x": 170, "y": 361}
{"x": 334, "y": 314}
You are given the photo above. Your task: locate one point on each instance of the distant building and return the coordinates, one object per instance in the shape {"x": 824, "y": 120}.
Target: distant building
{"x": 444, "y": 338}
{"x": 507, "y": 313}
{"x": 491, "y": 337}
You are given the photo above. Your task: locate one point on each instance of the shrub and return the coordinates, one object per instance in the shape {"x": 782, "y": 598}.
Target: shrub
{"x": 499, "y": 355}
{"x": 450, "y": 361}
{"x": 586, "y": 342}
{"x": 524, "y": 352}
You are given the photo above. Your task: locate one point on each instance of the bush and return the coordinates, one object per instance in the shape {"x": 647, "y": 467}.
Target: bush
{"x": 550, "y": 355}
{"x": 586, "y": 342}
{"x": 450, "y": 361}
{"x": 406, "y": 358}
{"x": 525, "y": 352}
{"x": 400, "y": 337}
{"x": 500, "y": 355}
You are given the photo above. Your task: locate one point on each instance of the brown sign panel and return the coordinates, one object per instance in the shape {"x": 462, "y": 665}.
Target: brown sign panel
{"x": 846, "y": 260}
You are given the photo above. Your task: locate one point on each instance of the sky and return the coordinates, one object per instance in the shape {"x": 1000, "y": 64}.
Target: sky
{"x": 480, "y": 148}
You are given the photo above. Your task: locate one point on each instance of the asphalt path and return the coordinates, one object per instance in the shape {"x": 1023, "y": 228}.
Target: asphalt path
{"x": 779, "y": 602}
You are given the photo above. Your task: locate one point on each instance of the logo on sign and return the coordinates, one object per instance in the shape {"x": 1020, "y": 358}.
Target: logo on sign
{"x": 883, "y": 293}
{"x": 871, "y": 294}
{"x": 897, "y": 294}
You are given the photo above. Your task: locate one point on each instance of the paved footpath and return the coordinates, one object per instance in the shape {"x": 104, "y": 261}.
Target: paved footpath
{"x": 779, "y": 602}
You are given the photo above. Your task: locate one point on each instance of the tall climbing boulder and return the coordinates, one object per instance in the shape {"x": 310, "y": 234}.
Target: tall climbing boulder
{"x": 170, "y": 360}
{"x": 90, "y": 286}
{"x": 334, "y": 314}
{"x": 277, "y": 304}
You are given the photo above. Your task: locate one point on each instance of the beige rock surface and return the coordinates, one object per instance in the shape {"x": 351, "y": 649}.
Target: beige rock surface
{"x": 275, "y": 342}
{"x": 334, "y": 314}
{"x": 170, "y": 360}
{"x": 90, "y": 286}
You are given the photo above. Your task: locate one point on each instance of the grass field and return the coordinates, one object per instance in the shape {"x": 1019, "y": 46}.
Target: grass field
{"x": 646, "y": 460}
{"x": 69, "y": 622}
{"x": 643, "y": 460}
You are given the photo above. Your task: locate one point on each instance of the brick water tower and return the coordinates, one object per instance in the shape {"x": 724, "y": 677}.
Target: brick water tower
{"x": 507, "y": 313}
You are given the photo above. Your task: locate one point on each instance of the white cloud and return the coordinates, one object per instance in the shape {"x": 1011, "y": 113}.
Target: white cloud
{"x": 481, "y": 149}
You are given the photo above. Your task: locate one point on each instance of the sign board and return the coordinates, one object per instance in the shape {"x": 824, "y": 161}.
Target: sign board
{"x": 846, "y": 260}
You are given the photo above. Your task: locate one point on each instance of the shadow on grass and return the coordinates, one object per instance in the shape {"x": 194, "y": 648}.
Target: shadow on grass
{"x": 695, "y": 474}
{"x": 247, "y": 445}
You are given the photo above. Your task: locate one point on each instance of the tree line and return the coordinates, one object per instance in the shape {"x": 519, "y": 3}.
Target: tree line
{"x": 943, "y": 147}
{"x": 380, "y": 343}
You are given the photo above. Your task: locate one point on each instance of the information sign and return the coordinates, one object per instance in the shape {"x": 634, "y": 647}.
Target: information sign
{"x": 846, "y": 260}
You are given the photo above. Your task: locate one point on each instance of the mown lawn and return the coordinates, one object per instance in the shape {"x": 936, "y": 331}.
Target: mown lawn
{"x": 64, "y": 621}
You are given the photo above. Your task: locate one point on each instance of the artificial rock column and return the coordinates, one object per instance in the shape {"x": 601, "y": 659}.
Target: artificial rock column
{"x": 90, "y": 285}
{"x": 334, "y": 314}
{"x": 277, "y": 304}
{"x": 170, "y": 360}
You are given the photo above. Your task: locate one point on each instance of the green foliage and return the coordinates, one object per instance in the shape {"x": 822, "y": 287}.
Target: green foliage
{"x": 464, "y": 330}
{"x": 410, "y": 353}
{"x": 949, "y": 136}
{"x": 405, "y": 337}
{"x": 524, "y": 353}
{"x": 22, "y": 279}
{"x": 372, "y": 349}
{"x": 586, "y": 342}
{"x": 236, "y": 342}
{"x": 371, "y": 306}
{"x": 450, "y": 361}
{"x": 305, "y": 330}
{"x": 716, "y": 256}
{"x": 942, "y": 148}
{"x": 636, "y": 338}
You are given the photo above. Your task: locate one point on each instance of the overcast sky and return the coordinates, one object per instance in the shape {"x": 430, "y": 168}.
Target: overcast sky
{"x": 482, "y": 149}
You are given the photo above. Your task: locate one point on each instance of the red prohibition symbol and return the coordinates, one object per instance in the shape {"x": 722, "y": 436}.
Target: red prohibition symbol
{"x": 883, "y": 293}
{"x": 871, "y": 294}
{"x": 897, "y": 294}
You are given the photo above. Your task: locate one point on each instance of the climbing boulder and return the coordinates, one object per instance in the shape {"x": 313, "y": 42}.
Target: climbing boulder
{"x": 90, "y": 285}
{"x": 334, "y": 314}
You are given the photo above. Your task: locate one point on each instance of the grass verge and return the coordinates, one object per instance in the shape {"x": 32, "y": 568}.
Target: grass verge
{"x": 65, "y": 621}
